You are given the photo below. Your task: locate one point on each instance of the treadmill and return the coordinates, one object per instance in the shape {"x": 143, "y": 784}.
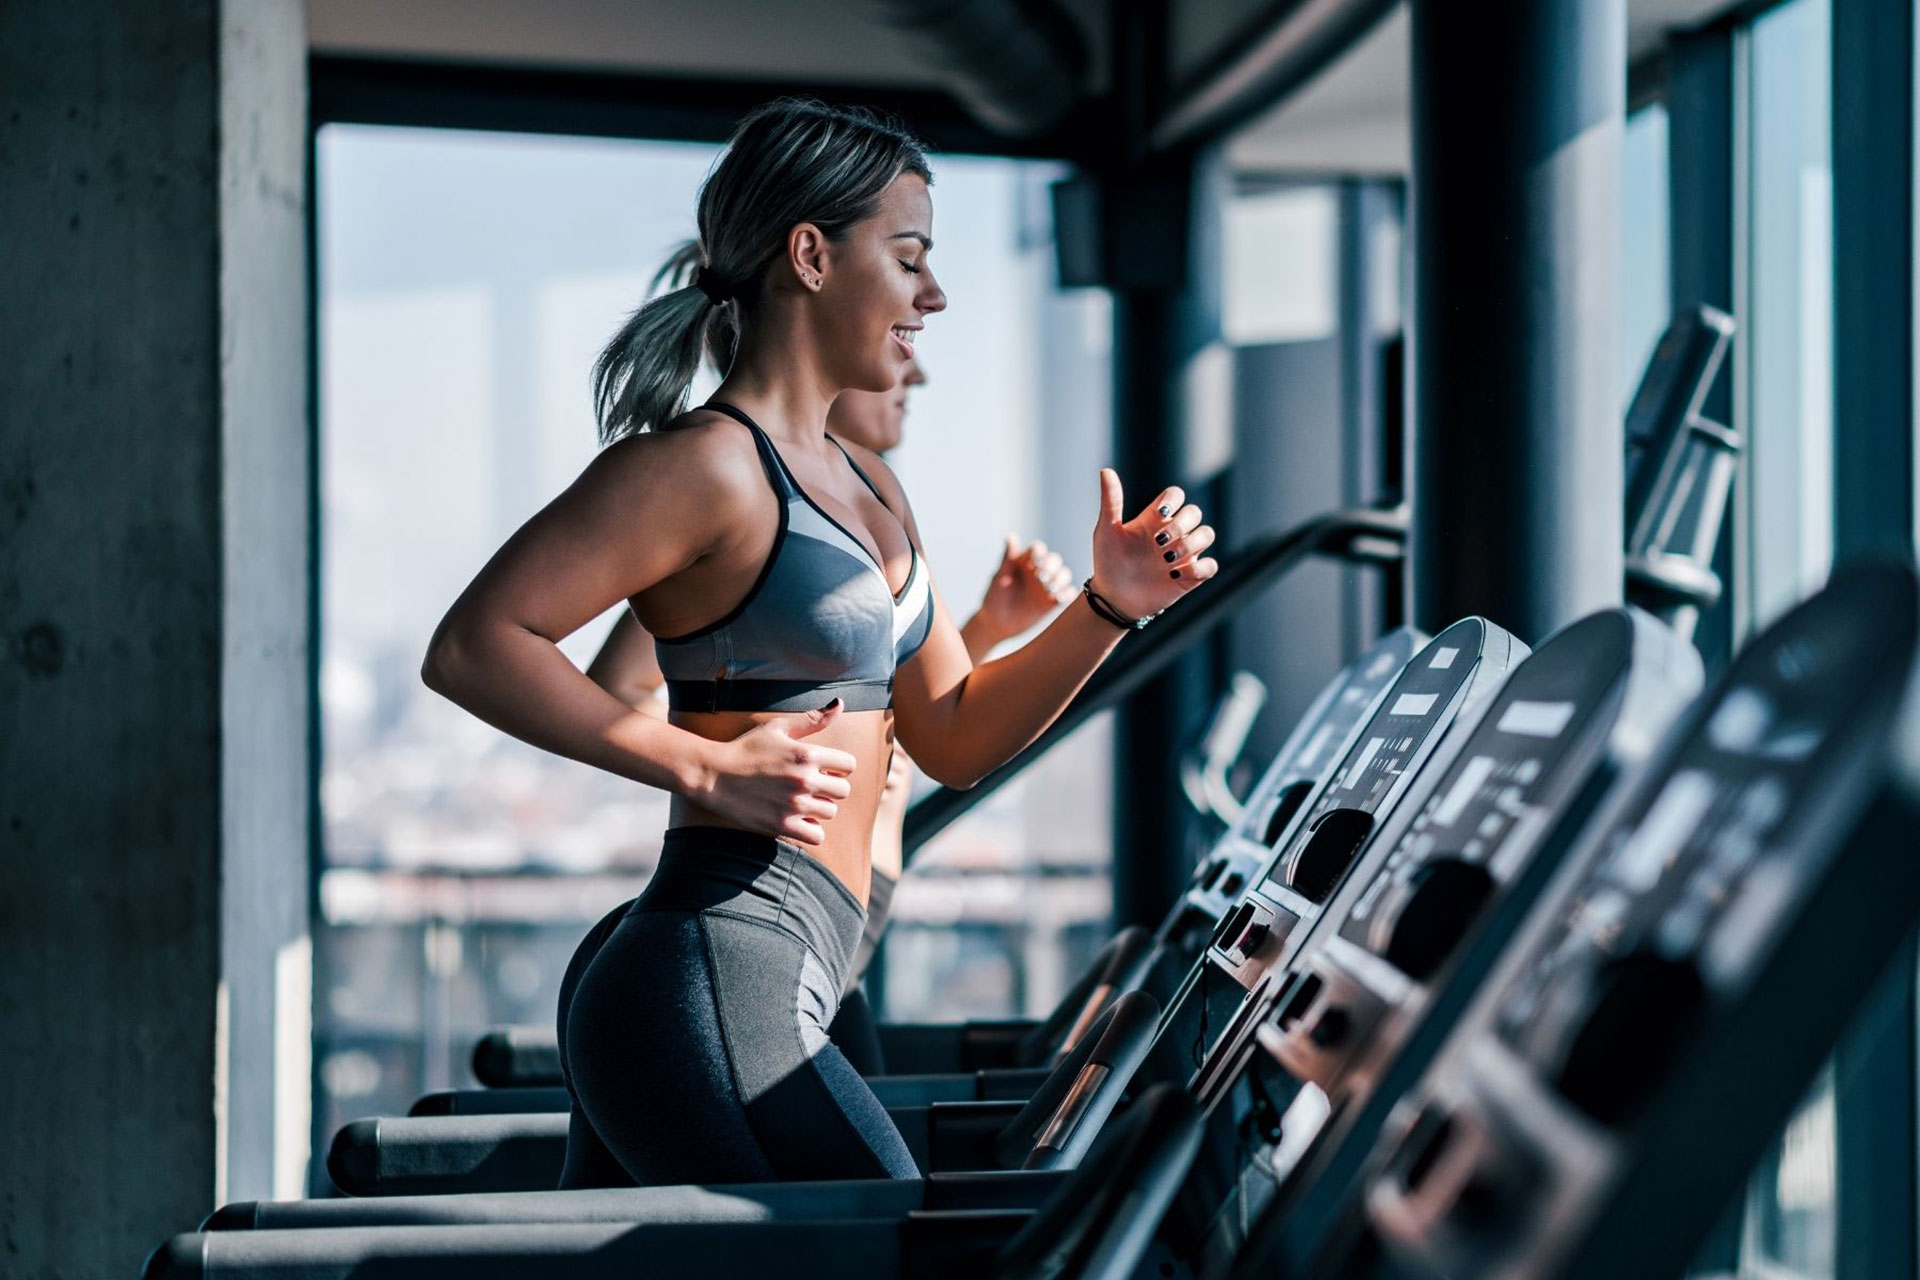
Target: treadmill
{"x": 1643, "y": 1029}
{"x": 1454, "y": 673}
{"x": 1618, "y": 676}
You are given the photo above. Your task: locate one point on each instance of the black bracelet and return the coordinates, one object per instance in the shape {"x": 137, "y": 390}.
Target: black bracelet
{"x": 1104, "y": 610}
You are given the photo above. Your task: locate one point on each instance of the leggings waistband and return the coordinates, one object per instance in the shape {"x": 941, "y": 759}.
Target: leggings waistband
{"x": 763, "y": 879}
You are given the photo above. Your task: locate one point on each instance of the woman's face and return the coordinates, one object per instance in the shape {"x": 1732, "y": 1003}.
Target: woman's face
{"x": 878, "y": 289}
{"x": 873, "y": 419}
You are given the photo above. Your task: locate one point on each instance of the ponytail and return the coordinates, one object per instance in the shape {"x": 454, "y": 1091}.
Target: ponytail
{"x": 642, "y": 376}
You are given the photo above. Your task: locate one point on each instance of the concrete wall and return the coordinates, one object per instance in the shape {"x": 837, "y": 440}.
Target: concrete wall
{"x": 153, "y": 571}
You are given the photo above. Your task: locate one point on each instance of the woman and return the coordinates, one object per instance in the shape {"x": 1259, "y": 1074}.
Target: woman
{"x": 800, "y": 635}
{"x": 1027, "y": 585}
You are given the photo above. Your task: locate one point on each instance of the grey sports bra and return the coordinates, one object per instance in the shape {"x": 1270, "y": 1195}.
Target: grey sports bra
{"x": 820, "y": 622}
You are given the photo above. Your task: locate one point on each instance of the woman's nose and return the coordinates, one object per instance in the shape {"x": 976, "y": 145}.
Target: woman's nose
{"x": 932, "y": 297}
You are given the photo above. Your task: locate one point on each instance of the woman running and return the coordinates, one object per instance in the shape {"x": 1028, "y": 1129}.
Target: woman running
{"x": 799, "y": 634}
{"x": 1027, "y": 585}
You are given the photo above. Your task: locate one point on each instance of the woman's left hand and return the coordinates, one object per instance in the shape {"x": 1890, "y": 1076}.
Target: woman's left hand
{"x": 1142, "y": 565}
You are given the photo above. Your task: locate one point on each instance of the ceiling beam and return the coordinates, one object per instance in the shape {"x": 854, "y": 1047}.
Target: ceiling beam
{"x": 350, "y": 89}
{"x": 1290, "y": 43}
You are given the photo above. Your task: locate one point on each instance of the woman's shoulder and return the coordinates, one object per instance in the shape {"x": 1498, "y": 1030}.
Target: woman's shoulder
{"x": 700, "y": 452}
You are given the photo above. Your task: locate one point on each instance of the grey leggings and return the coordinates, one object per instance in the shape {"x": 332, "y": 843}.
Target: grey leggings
{"x": 695, "y": 1039}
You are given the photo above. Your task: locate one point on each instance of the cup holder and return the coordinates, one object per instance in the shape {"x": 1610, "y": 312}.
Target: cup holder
{"x": 1425, "y": 920}
{"x": 1285, "y": 806}
{"x": 1318, "y": 866}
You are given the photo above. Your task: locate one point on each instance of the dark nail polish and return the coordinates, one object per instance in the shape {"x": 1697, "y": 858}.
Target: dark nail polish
{"x": 1172, "y": 556}
{"x": 1165, "y": 512}
{"x": 1174, "y": 574}
{"x": 1160, "y": 539}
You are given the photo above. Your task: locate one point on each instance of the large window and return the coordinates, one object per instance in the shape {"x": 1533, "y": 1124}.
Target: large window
{"x": 1788, "y": 309}
{"x": 1646, "y": 293}
{"x": 1786, "y": 535}
{"x": 466, "y": 282}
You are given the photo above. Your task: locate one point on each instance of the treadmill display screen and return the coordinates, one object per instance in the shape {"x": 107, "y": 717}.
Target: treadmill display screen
{"x": 1392, "y": 739}
{"x": 1505, "y": 775}
{"x": 1333, "y": 728}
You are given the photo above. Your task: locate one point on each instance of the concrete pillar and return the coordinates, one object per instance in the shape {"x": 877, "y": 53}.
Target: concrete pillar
{"x": 1514, "y": 395}
{"x": 154, "y": 580}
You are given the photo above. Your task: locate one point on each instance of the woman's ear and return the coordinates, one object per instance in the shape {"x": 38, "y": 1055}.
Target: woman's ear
{"x": 807, "y": 253}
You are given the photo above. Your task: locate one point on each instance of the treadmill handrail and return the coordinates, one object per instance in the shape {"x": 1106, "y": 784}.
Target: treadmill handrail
{"x": 1369, "y": 535}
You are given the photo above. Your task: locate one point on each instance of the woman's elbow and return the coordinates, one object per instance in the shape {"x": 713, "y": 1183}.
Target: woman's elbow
{"x": 449, "y": 656}
{"x": 952, "y": 774}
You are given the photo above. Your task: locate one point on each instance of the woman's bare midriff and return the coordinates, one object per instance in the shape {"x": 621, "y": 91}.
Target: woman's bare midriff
{"x": 865, "y": 735}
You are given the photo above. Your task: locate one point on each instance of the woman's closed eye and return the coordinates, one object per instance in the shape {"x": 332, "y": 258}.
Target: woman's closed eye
{"x": 909, "y": 267}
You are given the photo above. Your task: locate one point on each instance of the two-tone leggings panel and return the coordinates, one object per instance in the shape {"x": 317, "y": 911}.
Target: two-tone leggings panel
{"x": 696, "y": 1039}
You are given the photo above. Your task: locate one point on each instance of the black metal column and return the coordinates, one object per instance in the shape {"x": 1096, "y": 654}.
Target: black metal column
{"x": 1513, "y": 402}
{"x": 1873, "y": 470}
{"x": 1369, "y": 469}
{"x": 1161, "y": 224}
{"x": 1700, "y": 212}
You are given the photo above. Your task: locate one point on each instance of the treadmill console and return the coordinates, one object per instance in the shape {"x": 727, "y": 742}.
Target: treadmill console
{"x": 1456, "y": 669}
{"x": 1591, "y": 698}
{"x": 1408, "y": 939}
{"x": 1235, "y": 862}
{"x": 1679, "y": 984}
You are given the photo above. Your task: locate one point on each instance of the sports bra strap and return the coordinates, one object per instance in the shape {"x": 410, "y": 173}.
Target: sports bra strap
{"x": 777, "y": 695}
{"x": 864, "y": 477}
{"x": 770, "y": 460}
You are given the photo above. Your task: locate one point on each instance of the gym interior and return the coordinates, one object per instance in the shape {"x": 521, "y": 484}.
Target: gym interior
{"x": 1504, "y": 868}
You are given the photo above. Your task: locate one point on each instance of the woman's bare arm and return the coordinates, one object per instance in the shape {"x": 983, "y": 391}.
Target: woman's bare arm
{"x": 960, "y": 721}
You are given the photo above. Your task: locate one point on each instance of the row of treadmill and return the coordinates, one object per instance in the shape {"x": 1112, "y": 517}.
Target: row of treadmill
{"x": 1513, "y": 966}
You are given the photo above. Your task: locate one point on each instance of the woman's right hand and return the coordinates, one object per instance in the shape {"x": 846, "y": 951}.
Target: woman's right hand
{"x": 771, "y": 780}
{"x": 1143, "y": 565}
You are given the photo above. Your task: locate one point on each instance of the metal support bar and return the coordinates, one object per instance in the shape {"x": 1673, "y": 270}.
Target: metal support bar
{"x": 1700, "y": 155}
{"x": 362, "y": 90}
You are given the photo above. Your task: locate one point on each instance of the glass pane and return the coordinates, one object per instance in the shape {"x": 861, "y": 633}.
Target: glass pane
{"x": 1789, "y": 310}
{"x": 1004, "y": 908}
{"x": 1646, "y": 302}
{"x": 467, "y": 280}
{"x": 466, "y": 283}
{"x": 1791, "y": 1214}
